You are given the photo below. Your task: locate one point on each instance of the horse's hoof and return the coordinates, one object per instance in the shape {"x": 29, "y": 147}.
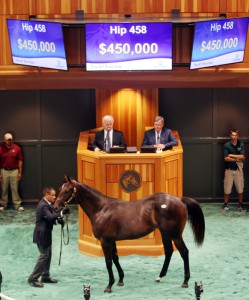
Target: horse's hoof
{"x": 120, "y": 284}
{"x": 185, "y": 285}
{"x": 158, "y": 279}
{"x": 108, "y": 290}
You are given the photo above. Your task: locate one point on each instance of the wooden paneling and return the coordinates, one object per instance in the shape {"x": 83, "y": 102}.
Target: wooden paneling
{"x": 117, "y": 8}
{"x": 5, "y": 55}
{"x": 88, "y": 172}
{"x": 114, "y": 172}
{"x": 182, "y": 44}
{"x": 132, "y": 110}
{"x": 239, "y": 6}
{"x": 193, "y": 6}
{"x": 74, "y": 40}
{"x": 14, "y": 7}
{"x": 125, "y": 6}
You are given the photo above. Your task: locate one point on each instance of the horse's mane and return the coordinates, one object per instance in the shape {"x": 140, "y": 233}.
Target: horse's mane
{"x": 89, "y": 189}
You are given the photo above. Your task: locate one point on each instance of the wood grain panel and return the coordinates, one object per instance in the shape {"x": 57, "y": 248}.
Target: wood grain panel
{"x": 238, "y": 6}
{"x": 171, "y": 169}
{"x": 171, "y": 186}
{"x": 120, "y": 7}
{"x": 132, "y": 109}
{"x": 148, "y": 188}
{"x": 199, "y": 6}
{"x": 113, "y": 190}
{"x": 146, "y": 171}
{"x": 113, "y": 172}
{"x": 13, "y": 7}
{"x": 246, "y": 56}
{"x": 49, "y": 7}
{"x": 74, "y": 40}
{"x": 5, "y": 57}
{"x": 182, "y": 44}
{"x": 88, "y": 171}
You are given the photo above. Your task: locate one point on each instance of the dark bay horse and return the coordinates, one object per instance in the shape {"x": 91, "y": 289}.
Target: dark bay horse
{"x": 115, "y": 219}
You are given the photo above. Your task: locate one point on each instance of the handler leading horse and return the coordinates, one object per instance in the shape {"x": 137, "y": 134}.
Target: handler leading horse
{"x": 115, "y": 219}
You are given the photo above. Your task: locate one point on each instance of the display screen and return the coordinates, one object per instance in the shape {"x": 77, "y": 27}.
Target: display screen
{"x": 128, "y": 46}
{"x": 37, "y": 43}
{"x": 219, "y": 42}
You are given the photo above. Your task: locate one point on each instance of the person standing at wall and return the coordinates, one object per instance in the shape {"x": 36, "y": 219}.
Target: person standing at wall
{"x": 234, "y": 156}
{"x": 159, "y": 137}
{"x": 11, "y": 162}
{"x": 108, "y": 137}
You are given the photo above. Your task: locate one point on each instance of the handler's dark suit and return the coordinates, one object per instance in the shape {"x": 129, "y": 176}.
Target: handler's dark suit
{"x": 45, "y": 219}
{"x": 117, "y": 139}
{"x": 166, "y": 138}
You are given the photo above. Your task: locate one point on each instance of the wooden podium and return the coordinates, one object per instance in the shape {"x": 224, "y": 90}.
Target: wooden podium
{"x": 154, "y": 172}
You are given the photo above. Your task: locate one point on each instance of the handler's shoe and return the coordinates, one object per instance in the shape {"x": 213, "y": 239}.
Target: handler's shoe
{"x": 49, "y": 280}
{"x": 224, "y": 208}
{"x": 35, "y": 283}
{"x": 241, "y": 209}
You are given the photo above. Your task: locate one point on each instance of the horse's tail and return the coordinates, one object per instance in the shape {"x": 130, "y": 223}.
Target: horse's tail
{"x": 196, "y": 219}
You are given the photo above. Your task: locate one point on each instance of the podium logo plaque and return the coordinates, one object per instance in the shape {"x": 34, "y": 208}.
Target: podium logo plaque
{"x": 130, "y": 181}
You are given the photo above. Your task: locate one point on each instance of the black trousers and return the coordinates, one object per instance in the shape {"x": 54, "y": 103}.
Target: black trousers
{"x": 42, "y": 266}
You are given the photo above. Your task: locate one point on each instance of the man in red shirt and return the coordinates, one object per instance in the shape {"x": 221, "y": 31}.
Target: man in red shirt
{"x": 11, "y": 162}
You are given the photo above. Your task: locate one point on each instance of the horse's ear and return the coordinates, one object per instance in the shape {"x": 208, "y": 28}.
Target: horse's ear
{"x": 67, "y": 178}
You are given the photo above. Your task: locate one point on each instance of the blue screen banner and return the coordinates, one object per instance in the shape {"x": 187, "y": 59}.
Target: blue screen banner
{"x": 128, "y": 46}
{"x": 37, "y": 43}
{"x": 219, "y": 42}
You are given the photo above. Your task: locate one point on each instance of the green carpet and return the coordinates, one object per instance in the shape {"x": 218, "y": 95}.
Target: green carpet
{"x": 222, "y": 263}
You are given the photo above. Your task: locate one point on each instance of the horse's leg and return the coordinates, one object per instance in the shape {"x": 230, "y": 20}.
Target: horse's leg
{"x": 168, "y": 250}
{"x": 115, "y": 259}
{"x": 107, "y": 249}
{"x": 180, "y": 245}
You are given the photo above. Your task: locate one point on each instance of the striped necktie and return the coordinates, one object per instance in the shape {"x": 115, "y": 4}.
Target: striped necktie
{"x": 108, "y": 141}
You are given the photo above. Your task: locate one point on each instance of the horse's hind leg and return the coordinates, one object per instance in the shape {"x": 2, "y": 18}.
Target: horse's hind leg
{"x": 168, "y": 250}
{"x": 180, "y": 245}
{"x": 107, "y": 249}
{"x": 115, "y": 259}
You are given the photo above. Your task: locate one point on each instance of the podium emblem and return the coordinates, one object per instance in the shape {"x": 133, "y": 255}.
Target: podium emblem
{"x": 130, "y": 181}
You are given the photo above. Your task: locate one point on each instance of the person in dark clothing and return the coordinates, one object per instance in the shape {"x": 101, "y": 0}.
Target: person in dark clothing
{"x": 46, "y": 217}
{"x": 160, "y": 137}
{"x": 108, "y": 137}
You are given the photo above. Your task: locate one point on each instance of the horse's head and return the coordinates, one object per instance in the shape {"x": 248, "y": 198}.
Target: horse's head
{"x": 67, "y": 193}
{"x": 133, "y": 181}
{"x": 130, "y": 179}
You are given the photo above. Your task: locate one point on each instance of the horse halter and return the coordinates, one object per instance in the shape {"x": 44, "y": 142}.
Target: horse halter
{"x": 71, "y": 198}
